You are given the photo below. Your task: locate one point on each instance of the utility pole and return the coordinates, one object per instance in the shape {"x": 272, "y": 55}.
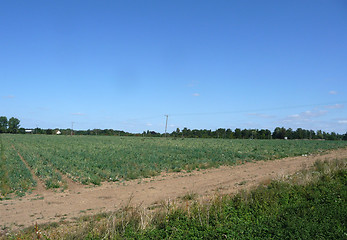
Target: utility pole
{"x": 167, "y": 116}
{"x": 72, "y": 127}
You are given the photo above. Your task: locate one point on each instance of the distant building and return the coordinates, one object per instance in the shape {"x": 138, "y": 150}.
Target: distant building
{"x": 28, "y": 131}
{"x": 58, "y": 132}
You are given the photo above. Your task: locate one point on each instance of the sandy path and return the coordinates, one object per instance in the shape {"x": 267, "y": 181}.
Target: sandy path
{"x": 47, "y": 206}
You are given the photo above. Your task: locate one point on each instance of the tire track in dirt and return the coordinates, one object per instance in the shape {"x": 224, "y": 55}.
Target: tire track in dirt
{"x": 40, "y": 186}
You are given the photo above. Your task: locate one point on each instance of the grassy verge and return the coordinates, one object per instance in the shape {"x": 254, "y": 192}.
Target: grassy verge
{"x": 311, "y": 204}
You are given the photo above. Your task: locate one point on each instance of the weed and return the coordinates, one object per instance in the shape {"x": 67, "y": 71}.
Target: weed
{"x": 189, "y": 196}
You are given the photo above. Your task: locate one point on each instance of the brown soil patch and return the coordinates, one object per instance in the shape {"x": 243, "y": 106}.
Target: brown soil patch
{"x": 44, "y": 206}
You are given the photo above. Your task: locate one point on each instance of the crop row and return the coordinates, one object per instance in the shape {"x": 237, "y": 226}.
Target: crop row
{"x": 93, "y": 159}
{"x": 15, "y": 177}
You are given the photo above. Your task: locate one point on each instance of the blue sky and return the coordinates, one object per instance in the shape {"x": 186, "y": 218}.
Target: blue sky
{"x": 207, "y": 64}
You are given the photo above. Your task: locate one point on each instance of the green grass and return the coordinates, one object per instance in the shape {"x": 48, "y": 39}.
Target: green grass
{"x": 93, "y": 159}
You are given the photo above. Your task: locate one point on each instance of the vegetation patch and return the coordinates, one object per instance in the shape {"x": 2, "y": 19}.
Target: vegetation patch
{"x": 311, "y": 204}
{"x": 94, "y": 159}
{"x": 15, "y": 177}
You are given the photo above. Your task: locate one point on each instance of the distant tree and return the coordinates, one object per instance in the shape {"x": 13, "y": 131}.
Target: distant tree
{"x": 332, "y": 136}
{"x": 268, "y": 134}
{"x": 289, "y": 133}
{"x": 319, "y": 134}
{"x": 264, "y": 134}
{"x": 185, "y": 132}
{"x": 175, "y": 133}
{"x": 254, "y": 133}
{"x": 279, "y": 133}
{"x": 238, "y": 133}
{"x": 3, "y": 124}
{"x": 154, "y": 134}
{"x": 344, "y": 137}
{"x": 195, "y": 133}
{"x": 206, "y": 133}
{"x": 246, "y": 133}
{"x": 13, "y": 125}
{"x": 49, "y": 131}
{"x": 38, "y": 131}
{"x": 178, "y": 131}
{"x": 229, "y": 133}
{"x": 299, "y": 133}
{"x": 221, "y": 133}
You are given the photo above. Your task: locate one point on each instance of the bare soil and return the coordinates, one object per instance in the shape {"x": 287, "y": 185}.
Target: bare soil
{"x": 43, "y": 206}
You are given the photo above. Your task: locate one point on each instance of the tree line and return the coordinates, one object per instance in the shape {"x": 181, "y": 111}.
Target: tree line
{"x": 9, "y": 126}
{"x": 13, "y": 126}
{"x": 278, "y": 133}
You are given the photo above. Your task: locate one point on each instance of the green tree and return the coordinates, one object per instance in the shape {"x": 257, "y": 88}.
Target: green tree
{"x": 279, "y": 133}
{"x": 246, "y": 133}
{"x": 299, "y": 133}
{"x": 3, "y": 124}
{"x": 21, "y": 130}
{"x": 319, "y": 134}
{"x": 229, "y": 133}
{"x": 185, "y": 132}
{"x": 178, "y": 131}
{"x": 237, "y": 133}
{"x": 289, "y": 133}
{"x": 49, "y": 131}
{"x": 13, "y": 125}
{"x": 220, "y": 133}
{"x": 38, "y": 131}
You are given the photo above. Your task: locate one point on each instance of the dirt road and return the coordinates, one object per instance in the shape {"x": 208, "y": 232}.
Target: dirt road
{"x": 44, "y": 206}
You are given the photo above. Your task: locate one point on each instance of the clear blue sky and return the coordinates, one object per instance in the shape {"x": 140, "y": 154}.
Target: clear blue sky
{"x": 208, "y": 64}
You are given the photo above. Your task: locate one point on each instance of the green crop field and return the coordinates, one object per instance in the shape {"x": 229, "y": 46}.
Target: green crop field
{"x": 94, "y": 159}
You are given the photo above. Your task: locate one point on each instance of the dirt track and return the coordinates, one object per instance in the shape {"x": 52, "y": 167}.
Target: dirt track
{"x": 44, "y": 206}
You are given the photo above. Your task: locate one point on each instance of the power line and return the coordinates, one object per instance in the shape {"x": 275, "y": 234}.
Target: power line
{"x": 72, "y": 127}
{"x": 167, "y": 116}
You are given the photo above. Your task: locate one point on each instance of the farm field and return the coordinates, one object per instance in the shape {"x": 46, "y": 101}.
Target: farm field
{"x": 138, "y": 200}
{"x": 95, "y": 159}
